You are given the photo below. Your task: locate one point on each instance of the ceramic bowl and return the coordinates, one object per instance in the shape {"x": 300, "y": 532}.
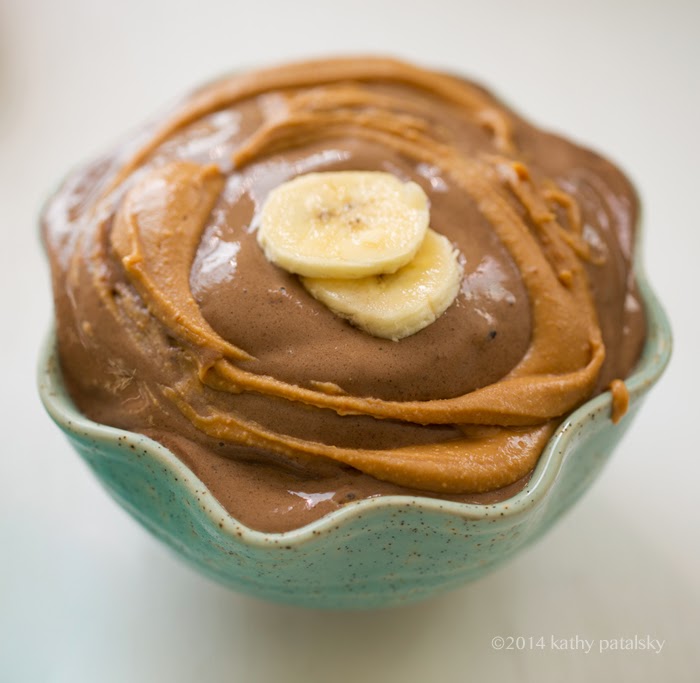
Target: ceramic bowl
{"x": 371, "y": 553}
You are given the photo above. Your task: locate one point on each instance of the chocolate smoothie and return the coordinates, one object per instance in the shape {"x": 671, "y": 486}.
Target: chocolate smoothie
{"x": 171, "y": 322}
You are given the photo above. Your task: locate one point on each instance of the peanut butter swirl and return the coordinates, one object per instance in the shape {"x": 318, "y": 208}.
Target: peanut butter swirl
{"x": 166, "y": 310}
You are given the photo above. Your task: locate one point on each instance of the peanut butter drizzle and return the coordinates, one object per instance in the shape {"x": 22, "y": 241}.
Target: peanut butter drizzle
{"x": 156, "y": 233}
{"x": 620, "y": 400}
{"x": 159, "y": 223}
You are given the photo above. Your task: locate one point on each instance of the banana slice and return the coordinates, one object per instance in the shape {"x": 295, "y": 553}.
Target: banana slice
{"x": 347, "y": 224}
{"x": 397, "y": 305}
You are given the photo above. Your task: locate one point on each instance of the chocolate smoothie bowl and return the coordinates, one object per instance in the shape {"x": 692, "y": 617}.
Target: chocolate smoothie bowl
{"x": 347, "y": 332}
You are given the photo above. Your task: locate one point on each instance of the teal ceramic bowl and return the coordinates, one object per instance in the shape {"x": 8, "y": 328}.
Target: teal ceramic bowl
{"x": 371, "y": 553}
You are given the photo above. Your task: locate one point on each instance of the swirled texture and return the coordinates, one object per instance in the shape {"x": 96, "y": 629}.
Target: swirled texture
{"x": 171, "y": 322}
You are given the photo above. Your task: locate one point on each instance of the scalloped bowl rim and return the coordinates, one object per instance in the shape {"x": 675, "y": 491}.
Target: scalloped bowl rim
{"x": 655, "y": 357}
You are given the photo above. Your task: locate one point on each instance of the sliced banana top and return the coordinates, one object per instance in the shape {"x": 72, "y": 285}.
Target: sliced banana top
{"x": 346, "y": 224}
{"x": 400, "y": 304}
{"x": 361, "y": 242}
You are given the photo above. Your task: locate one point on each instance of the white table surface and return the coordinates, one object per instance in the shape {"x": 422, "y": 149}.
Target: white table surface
{"x": 87, "y": 595}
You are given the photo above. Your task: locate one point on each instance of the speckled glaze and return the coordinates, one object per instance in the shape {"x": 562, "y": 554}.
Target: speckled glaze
{"x": 372, "y": 553}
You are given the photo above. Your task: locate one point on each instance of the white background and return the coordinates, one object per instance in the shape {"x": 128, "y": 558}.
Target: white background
{"x": 86, "y": 595}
